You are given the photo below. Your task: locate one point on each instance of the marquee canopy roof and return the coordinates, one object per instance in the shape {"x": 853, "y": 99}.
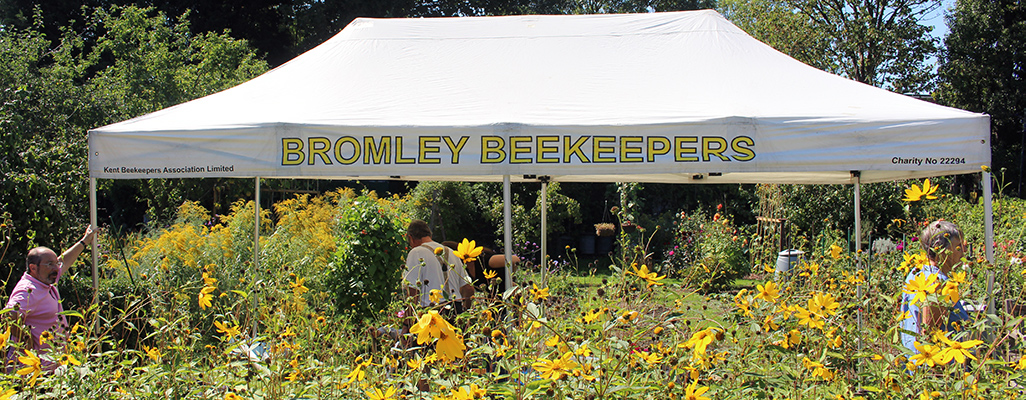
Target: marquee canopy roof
{"x": 661, "y": 97}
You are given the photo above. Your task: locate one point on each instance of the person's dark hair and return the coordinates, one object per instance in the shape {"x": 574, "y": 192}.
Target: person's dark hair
{"x": 940, "y": 235}
{"x": 418, "y": 229}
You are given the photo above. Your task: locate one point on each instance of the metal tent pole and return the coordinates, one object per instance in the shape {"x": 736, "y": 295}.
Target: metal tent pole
{"x": 507, "y": 230}
{"x": 93, "y": 220}
{"x": 988, "y": 236}
{"x": 544, "y": 228}
{"x": 858, "y": 252}
{"x": 256, "y": 249}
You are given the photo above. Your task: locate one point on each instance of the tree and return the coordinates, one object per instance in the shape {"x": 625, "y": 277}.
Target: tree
{"x": 127, "y": 61}
{"x": 984, "y": 70}
{"x": 876, "y": 42}
{"x": 775, "y": 23}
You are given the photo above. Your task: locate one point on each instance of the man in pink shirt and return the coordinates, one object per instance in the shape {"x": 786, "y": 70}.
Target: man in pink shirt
{"x": 35, "y": 298}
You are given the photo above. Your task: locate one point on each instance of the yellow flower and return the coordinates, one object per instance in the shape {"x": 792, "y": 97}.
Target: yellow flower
{"x": 555, "y": 369}
{"x": 79, "y": 346}
{"x": 4, "y": 337}
{"x": 431, "y": 325}
{"x": 205, "y": 297}
{"x": 913, "y": 260}
{"x": 823, "y": 304}
{"x": 950, "y": 291}
{"x": 450, "y": 346}
{"x": 46, "y": 336}
{"x": 1021, "y": 364}
{"x": 920, "y": 286}
{"x": 594, "y": 315}
{"x": 539, "y": 294}
{"x": 439, "y": 250}
{"x": 650, "y": 277}
{"x": 490, "y": 274}
{"x": 357, "y": 374}
{"x": 299, "y": 288}
{"x": 957, "y": 351}
{"x": 818, "y": 369}
{"x": 770, "y": 268}
{"x": 229, "y": 331}
{"x": 649, "y": 358}
{"x": 915, "y": 194}
{"x": 810, "y": 318}
{"x": 791, "y": 339}
{"x": 693, "y": 392}
{"x": 835, "y": 251}
{"x": 33, "y": 366}
{"x": 435, "y": 296}
{"x": 583, "y": 350}
{"x": 208, "y": 281}
{"x": 69, "y": 359}
{"x": 769, "y": 293}
{"x": 7, "y": 394}
{"x": 928, "y": 354}
{"x": 153, "y": 353}
{"x": 415, "y": 363}
{"x": 377, "y": 394}
{"x": 552, "y": 341}
{"x": 700, "y": 340}
{"x": 769, "y": 325}
{"x": 743, "y": 302}
{"x": 232, "y": 396}
{"x": 468, "y": 250}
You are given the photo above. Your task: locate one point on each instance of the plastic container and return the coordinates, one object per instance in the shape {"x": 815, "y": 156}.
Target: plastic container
{"x": 786, "y": 260}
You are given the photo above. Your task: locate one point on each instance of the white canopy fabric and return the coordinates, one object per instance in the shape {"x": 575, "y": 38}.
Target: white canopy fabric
{"x": 662, "y": 97}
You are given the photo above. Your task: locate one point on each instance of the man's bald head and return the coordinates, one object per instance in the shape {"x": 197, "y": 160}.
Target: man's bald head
{"x": 36, "y": 255}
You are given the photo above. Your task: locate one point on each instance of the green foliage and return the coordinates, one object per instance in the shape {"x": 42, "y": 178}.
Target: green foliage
{"x": 811, "y": 208}
{"x": 453, "y": 210}
{"x": 775, "y": 23}
{"x": 126, "y": 62}
{"x": 876, "y": 42}
{"x": 981, "y": 71}
{"x": 707, "y": 253}
{"x": 367, "y": 268}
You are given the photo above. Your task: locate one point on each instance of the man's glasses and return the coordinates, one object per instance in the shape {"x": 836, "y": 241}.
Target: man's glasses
{"x": 57, "y": 264}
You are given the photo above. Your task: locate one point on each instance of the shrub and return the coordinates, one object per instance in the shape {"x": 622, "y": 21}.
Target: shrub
{"x": 367, "y": 267}
{"x": 707, "y": 253}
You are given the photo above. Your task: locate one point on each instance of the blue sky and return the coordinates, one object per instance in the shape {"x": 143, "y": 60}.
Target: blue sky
{"x": 936, "y": 19}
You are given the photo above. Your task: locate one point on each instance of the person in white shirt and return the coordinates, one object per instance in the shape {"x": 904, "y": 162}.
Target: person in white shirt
{"x": 426, "y": 271}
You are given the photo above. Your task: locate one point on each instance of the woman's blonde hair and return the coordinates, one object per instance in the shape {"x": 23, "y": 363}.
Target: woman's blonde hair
{"x": 940, "y": 235}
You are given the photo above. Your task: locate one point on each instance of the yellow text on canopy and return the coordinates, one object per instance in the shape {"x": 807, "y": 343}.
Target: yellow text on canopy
{"x": 567, "y": 149}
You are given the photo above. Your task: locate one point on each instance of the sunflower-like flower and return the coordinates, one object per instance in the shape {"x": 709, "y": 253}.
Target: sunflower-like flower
{"x": 700, "y": 340}
{"x": 539, "y": 294}
{"x": 557, "y": 368}
{"x": 228, "y": 331}
{"x": 915, "y": 194}
{"x": 823, "y": 304}
{"x": 651, "y": 278}
{"x": 694, "y": 392}
{"x": 377, "y": 394}
{"x": 768, "y": 293}
{"x": 205, "y": 297}
{"x": 957, "y": 351}
{"x": 835, "y": 251}
{"x": 33, "y": 366}
{"x": 920, "y": 286}
{"x": 928, "y": 354}
{"x": 468, "y": 250}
